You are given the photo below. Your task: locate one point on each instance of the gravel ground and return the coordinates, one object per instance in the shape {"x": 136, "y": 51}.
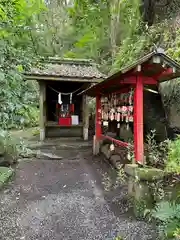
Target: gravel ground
{"x": 76, "y": 198}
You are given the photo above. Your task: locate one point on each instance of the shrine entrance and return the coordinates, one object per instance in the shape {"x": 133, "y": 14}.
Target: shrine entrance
{"x": 127, "y": 98}
{"x": 64, "y": 109}
{"x": 64, "y": 113}
{"x": 67, "y": 91}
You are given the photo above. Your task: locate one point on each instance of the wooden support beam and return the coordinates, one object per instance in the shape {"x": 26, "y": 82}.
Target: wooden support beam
{"x": 149, "y": 80}
{"x": 42, "y": 107}
{"x": 138, "y": 121}
{"x": 85, "y": 117}
{"x": 63, "y": 79}
{"x": 131, "y": 80}
{"x": 163, "y": 72}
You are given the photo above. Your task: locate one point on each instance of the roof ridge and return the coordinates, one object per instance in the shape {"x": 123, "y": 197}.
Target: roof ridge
{"x": 70, "y": 61}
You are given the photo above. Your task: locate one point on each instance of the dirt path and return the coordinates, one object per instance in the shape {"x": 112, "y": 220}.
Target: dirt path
{"x": 66, "y": 200}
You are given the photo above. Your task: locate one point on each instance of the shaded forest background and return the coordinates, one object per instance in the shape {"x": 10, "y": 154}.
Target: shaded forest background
{"x": 112, "y": 33}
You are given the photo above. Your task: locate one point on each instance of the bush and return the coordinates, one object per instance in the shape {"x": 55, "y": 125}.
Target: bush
{"x": 156, "y": 152}
{"x": 173, "y": 160}
{"x": 11, "y": 148}
{"x": 168, "y": 214}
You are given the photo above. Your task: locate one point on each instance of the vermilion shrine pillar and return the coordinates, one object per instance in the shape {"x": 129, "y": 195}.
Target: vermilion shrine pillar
{"x": 138, "y": 120}
{"x": 42, "y": 108}
{"x": 96, "y": 141}
{"x": 85, "y": 117}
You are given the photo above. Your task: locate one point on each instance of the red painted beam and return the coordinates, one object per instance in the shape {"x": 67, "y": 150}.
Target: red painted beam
{"x": 118, "y": 142}
{"x": 149, "y": 80}
{"x": 138, "y": 121}
{"x": 131, "y": 80}
{"x": 163, "y": 72}
{"x": 117, "y": 81}
{"x": 98, "y": 117}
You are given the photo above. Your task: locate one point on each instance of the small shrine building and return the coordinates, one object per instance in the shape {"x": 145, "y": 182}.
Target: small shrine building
{"x": 63, "y": 112}
{"x": 120, "y": 101}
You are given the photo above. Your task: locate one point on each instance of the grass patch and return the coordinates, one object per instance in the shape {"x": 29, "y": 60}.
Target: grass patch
{"x": 5, "y": 175}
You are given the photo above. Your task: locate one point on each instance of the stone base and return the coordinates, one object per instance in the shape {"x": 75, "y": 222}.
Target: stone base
{"x": 139, "y": 189}
{"x": 64, "y": 131}
{"x": 42, "y": 134}
{"x": 106, "y": 151}
{"x": 144, "y": 174}
{"x": 116, "y": 158}
{"x": 85, "y": 134}
{"x": 96, "y": 146}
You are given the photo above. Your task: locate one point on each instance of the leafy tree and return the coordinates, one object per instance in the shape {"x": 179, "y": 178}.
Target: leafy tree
{"x": 17, "y": 52}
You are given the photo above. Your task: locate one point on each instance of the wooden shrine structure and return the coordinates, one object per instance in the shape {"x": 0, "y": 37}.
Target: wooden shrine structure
{"x": 63, "y": 113}
{"x": 119, "y": 98}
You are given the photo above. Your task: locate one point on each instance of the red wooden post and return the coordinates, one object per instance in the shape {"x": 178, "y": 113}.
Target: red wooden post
{"x": 98, "y": 117}
{"x": 138, "y": 120}
{"x": 96, "y": 141}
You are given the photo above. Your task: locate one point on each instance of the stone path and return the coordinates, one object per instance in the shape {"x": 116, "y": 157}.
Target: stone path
{"x": 76, "y": 198}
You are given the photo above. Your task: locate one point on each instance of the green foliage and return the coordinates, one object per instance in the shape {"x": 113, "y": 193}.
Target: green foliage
{"x": 169, "y": 216}
{"x": 12, "y": 148}
{"x": 173, "y": 160}
{"x": 118, "y": 238}
{"x": 18, "y": 98}
{"x": 177, "y": 234}
{"x": 114, "y": 34}
{"x": 156, "y": 153}
{"x": 165, "y": 155}
{"x": 110, "y": 32}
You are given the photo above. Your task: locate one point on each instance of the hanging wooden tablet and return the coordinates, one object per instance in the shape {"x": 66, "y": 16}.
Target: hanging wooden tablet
{"x": 115, "y": 116}
{"x": 105, "y": 123}
{"x": 131, "y": 118}
{"x": 113, "y": 110}
{"x": 119, "y": 109}
{"x": 106, "y": 116}
{"x": 131, "y": 109}
{"x": 127, "y": 122}
{"x": 102, "y": 115}
{"x": 106, "y": 107}
{"x": 111, "y": 115}
{"x": 122, "y": 117}
{"x": 118, "y": 117}
{"x": 131, "y": 97}
{"x": 112, "y": 147}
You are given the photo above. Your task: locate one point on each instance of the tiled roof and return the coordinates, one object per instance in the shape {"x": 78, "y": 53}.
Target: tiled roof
{"x": 75, "y": 68}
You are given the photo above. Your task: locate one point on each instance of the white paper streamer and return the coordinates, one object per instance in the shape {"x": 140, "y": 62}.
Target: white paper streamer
{"x": 59, "y": 99}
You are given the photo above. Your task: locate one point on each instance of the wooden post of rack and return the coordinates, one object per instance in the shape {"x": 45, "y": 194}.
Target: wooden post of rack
{"x": 42, "y": 107}
{"x": 85, "y": 117}
{"x": 96, "y": 141}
